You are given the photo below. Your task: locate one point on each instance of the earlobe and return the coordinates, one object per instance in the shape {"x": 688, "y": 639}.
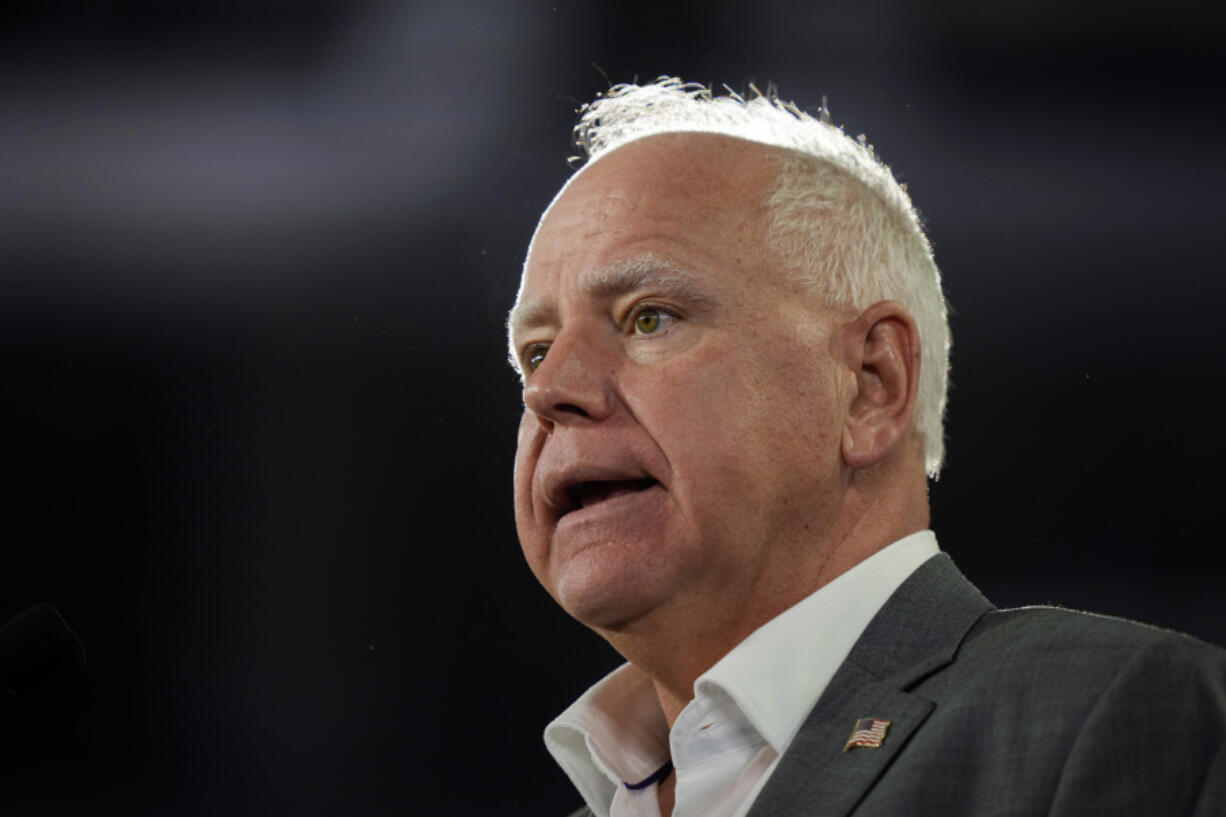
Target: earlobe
{"x": 849, "y": 447}
{"x": 884, "y": 359}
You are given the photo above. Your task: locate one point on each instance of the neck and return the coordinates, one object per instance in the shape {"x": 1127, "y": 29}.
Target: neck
{"x": 678, "y": 642}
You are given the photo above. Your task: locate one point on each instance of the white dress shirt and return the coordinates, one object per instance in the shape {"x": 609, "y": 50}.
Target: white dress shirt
{"x": 746, "y": 709}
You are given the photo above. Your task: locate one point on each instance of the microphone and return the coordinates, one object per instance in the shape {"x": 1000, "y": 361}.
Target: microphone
{"x": 38, "y": 650}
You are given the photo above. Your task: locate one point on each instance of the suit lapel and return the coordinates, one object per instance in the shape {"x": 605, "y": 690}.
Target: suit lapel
{"x": 917, "y": 632}
{"x": 815, "y": 776}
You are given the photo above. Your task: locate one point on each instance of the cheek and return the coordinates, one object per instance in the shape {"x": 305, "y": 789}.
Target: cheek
{"x": 705, "y": 418}
{"x": 527, "y": 453}
{"x": 526, "y": 450}
{"x": 744, "y": 425}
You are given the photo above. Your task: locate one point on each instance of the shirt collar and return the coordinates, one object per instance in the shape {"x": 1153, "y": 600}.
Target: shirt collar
{"x": 776, "y": 675}
{"x": 615, "y": 732}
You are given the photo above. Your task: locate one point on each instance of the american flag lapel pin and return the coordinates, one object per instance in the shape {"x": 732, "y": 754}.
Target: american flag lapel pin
{"x": 868, "y": 732}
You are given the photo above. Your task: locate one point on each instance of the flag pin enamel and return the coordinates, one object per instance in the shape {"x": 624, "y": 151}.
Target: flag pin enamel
{"x": 868, "y": 732}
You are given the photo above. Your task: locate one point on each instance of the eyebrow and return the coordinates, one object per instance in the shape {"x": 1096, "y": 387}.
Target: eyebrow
{"x": 613, "y": 280}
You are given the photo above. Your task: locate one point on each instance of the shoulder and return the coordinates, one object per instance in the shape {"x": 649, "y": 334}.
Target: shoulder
{"x": 1057, "y": 653}
{"x": 1047, "y": 639}
{"x": 1128, "y": 717}
{"x": 1041, "y": 676}
{"x": 1141, "y": 710}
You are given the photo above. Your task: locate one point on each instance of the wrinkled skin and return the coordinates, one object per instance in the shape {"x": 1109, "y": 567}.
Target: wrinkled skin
{"x": 698, "y": 404}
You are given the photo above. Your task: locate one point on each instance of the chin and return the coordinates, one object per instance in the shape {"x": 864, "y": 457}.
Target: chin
{"x": 601, "y": 599}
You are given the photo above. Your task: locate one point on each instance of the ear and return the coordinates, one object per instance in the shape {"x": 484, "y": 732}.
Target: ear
{"x": 882, "y": 350}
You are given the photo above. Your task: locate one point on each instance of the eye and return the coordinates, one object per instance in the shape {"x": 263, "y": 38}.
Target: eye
{"x": 651, "y": 320}
{"x": 534, "y": 356}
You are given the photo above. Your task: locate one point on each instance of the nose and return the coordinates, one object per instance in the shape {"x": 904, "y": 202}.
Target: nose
{"x": 573, "y": 384}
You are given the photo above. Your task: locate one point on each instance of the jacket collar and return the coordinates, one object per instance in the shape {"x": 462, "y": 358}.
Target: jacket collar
{"x": 916, "y": 633}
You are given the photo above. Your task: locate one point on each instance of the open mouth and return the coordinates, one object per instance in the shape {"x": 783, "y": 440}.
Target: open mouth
{"x": 587, "y": 494}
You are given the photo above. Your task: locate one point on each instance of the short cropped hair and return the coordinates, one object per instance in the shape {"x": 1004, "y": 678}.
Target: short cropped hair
{"x": 837, "y": 218}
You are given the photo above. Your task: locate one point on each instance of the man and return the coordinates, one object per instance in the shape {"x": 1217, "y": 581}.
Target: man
{"x": 734, "y": 350}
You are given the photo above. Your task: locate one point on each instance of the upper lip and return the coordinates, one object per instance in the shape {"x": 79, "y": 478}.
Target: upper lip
{"x": 559, "y": 487}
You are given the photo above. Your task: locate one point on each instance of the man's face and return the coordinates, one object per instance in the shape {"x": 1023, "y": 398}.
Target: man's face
{"x": 679, "y": 448}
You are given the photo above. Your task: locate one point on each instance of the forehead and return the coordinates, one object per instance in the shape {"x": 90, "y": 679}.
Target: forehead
{"x": 685, "y": 204}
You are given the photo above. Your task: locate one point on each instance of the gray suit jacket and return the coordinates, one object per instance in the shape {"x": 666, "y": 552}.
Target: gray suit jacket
{"x": 1009, "y": 712}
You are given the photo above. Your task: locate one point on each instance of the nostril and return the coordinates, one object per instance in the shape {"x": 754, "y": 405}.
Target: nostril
{"x": 568, "y": 394}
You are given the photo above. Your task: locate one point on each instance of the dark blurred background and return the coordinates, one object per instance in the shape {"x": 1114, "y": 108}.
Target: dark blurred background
{"x": 254, "y": 263}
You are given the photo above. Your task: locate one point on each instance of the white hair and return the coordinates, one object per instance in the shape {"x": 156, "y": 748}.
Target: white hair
{"x": 838, "y": 219}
